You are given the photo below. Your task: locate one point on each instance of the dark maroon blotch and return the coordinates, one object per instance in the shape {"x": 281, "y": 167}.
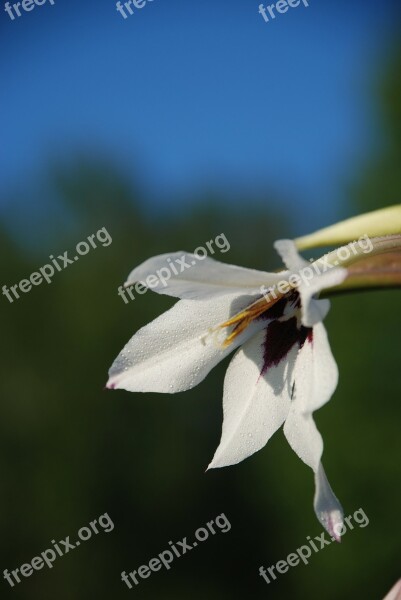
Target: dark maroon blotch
{"x": 281, "y": 337}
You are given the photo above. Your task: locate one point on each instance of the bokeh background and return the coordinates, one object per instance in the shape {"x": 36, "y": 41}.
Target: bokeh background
{"x": 182, "y": 122}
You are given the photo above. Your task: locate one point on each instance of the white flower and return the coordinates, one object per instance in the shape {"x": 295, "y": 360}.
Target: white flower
{"x": 395, "y": 592}
{"x": 282, "y": 372}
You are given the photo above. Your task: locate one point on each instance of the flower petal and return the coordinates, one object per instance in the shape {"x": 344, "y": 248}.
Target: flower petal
{"x": 168, "y": 355}
{"x": 303, "y": 437}
{"x": 186, "y": 275}
{"x": 255, "y": 404}
{"x": 316, "y": 372}
{"x": 315, "y": 379}
{"x": 314, "y": 311}
{"x": 395, "y": 592}
{"x": 289, "y": 255}
{"x": 327, "y": 507}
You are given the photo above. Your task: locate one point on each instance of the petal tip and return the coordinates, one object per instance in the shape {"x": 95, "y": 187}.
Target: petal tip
{"x": 336, "y": 535}
{"x": 327, "y": 507}
{"x": 395, "y": 592}
{"x": 332, "y": 521}
{"x": 217, "y": 463}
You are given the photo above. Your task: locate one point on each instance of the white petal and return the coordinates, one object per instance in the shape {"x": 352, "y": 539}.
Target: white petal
{"x": 185, "y": 275}
{"x": 289, "y": 255}
{"x": 255, "y": 405}
{"x": 315, "y": 373}
{"x": 303, "y": 437}
{"x": 395, "y": 592}
{"x": 168, "y": 355}
{"x": 315, "y": 379}
{"x": 314, "y": 311}
{"x": 327, "y": 507}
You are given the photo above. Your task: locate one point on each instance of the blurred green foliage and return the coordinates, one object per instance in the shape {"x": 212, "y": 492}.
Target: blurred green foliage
{"x": 71, "y": 451}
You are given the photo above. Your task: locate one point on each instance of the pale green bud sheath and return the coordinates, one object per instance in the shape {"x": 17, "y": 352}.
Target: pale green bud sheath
{"x": 383, "y": 222}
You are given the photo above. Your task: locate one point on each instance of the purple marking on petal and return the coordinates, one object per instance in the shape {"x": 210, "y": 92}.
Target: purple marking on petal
{"x": 305, "y": 335}
{"x": 276, "y": 311}
{"x": 280, "y": 338}
{"x": 295, "y": 299}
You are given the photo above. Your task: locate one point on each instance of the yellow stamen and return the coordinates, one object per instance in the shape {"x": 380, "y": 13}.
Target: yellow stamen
{"x": 245, "y": 317}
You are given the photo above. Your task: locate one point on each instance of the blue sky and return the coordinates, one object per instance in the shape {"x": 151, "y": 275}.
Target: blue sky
{"x": 191, "y": 94}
